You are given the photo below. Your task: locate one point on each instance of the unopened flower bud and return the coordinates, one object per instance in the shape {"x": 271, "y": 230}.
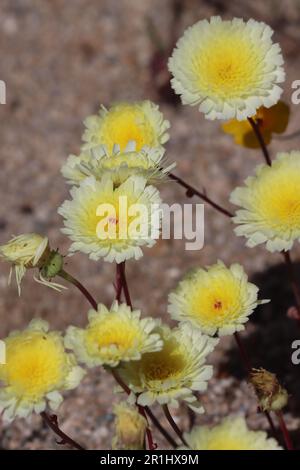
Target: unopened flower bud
{"x": 130, "y": 428}
{"x": 52, "y": 265}
{"x": 272, "y": 396}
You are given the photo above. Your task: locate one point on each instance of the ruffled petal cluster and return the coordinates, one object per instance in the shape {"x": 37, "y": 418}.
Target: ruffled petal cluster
{"x": 228, "y": 68}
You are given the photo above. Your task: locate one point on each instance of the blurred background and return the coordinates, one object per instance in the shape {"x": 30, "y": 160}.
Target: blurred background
{"x": 60, "y": 60}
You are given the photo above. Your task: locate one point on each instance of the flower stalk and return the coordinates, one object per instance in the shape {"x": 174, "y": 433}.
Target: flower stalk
{"x": 173, "y": 424}
{"x": 52, "y": 423}
{"x": 79, "y": 286}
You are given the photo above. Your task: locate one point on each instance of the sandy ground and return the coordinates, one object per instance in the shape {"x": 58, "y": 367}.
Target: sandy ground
{"x": 60, "y": 60}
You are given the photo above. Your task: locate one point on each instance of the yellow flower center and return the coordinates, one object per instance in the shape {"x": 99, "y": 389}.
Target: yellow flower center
{"x": 125, "y": 123}
{"x": 278, "y": 200}
{"x": 222, "y": 442}
{"x": 217, "y": 300}
{"x": 163, "y": 365}
{"x": 36, "y": 364}
{"x": 227, "y": 66}
{"x": 111, "y": 331}
{"x": 106, "y": 217}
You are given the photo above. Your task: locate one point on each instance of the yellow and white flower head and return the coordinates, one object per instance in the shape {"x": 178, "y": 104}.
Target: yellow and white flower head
{"x": 231, "y": 434}
{"x": 147, "y": 162}
{"x": 216, "y": 300}
{"x": 112, "y": 336}
{"x": 173, "y": 373}
{"x": 36, "y": 371}
{"x": 270, "y": 203}
{"x": 141, "y": 122}
{"x": 112, "y": 223}
{"x": 27, "y": 251}
{"x": 228, "y": 68}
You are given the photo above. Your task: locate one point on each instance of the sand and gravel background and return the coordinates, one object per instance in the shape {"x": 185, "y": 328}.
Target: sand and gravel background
{"x": 60, "y": 60}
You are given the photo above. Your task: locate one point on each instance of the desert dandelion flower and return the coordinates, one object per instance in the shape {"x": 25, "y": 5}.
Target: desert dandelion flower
{"x": 228, "y": 68}
{"x": 36, "y": 371}
{"x": 141, "y": 122}
{"x": 112, "y": 336}
{"x": 216, "y": 300}
{"x": 270, "y": 204}
{"x": 173, "y": 373}
{"x": 102, "y": 221}
{"x": 231, "y": 434}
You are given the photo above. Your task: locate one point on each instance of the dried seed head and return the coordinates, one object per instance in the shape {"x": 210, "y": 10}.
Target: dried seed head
{"x": 272, "y": 396}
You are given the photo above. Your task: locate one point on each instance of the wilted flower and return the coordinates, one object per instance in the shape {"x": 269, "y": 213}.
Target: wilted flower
{"x": 130, "y": 428}
{"x": 228, "y": 68}
{"x": 28, "y": 251}
{"x": 36, "y": 371}
{"x": 269, "y": 120}
{"x": 272, "y": 396}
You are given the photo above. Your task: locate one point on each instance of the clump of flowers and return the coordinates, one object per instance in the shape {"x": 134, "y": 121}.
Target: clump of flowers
{"x": 112, "y": 336}
{"x": 228, "y": 68}
{"x": 231, "y": 70}
{"x": 36, "y": 371}
{"x": 216, "y": 300}
{"x": 101, "y": 219}
{"x": 231, "y": 434}
{"x": 270, "y": 204}
{"x": 173, "y": 373}
{"x": 140, "y": 122}
{"x": 270, "y": 120}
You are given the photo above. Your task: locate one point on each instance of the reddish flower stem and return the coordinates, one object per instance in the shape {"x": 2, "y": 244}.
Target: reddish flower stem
{"x": 293, "y": 279}
{"x": 52, "y": 423}
{"x": 191, "y": 191}
{"x": 79, "y": 286}
{"x": 260, "y": 139}
{"x": 247, "y": 364}
{"x": 121, "y": 285}
{"x": 173, "y": 424}
{"x": 284, "y": 430}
